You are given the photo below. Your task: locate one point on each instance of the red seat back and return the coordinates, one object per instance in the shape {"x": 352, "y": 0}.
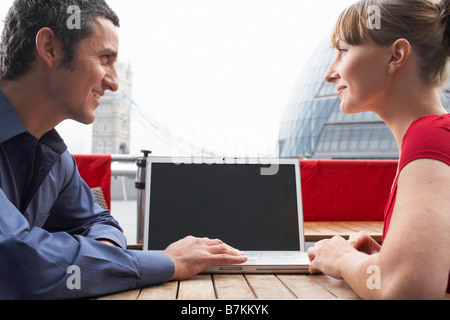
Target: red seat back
{"x": 346, "y": 190}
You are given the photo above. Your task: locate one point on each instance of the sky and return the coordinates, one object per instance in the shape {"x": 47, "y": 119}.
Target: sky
{"x": 216, "y": 73}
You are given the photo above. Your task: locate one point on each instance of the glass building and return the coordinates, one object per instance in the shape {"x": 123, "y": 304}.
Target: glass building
{"x": 314, "y": 126}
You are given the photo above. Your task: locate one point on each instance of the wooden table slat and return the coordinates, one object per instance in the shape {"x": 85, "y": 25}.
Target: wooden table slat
{"x": 268, "y": 287}
{"x": 322, "y": 228}
{"x": 198, "y": 288}
{"x": 369, "y": 227}
{"x": 339, "y": 288}
{"x": 165, "y": 291}
{"x": 232, "y": 287}
{"x": 304, "y": 288}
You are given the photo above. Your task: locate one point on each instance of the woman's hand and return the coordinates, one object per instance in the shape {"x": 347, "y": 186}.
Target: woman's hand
{"x": 364, "y": 243}
{"x": 326, "y": 254}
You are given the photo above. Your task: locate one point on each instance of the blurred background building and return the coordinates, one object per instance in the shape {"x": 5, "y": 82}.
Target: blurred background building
{"x": 313, "y": 125}
{"x": 111, "y": 130}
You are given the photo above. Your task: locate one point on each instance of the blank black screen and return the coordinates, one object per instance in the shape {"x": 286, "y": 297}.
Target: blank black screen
{"x": 233, "y": 203}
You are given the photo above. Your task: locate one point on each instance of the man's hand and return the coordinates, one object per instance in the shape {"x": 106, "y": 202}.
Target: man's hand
{"x": 193, "y": 255}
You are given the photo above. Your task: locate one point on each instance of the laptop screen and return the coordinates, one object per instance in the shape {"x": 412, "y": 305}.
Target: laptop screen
{"x": 230, "y": 202}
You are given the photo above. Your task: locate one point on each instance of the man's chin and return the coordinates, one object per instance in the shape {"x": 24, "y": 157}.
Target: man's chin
{"x": 86, "y": 120}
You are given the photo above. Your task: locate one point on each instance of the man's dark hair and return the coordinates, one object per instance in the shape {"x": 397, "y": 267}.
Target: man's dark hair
{"x": 27, "y": 17}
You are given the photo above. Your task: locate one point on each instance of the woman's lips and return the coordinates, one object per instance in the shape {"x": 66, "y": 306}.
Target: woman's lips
{"x": 341, "y": 89}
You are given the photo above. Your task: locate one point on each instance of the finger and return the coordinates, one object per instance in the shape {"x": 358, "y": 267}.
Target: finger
{"x": 212, "y": 242}
{"x": 358, "y": 240}
{"x": 353, "y": 236}
{"x": 311, "y": 256}
{"x": 311, "y": 253}
{"x": 227, "y": 259}
{"x": 225, "y": 249}
{"x": 312, "y": 269}
{"x": 354, "y": 239}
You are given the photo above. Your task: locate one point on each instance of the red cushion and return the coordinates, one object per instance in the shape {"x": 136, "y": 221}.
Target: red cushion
{"x": 346, "y": 190}
{"x": 96, "y": 172}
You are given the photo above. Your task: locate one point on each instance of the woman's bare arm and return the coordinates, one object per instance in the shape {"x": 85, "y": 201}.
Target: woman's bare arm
{"x": 414, "y": 261}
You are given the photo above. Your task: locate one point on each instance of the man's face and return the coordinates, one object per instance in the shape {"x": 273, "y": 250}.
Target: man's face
{"x": 77, "y": 90}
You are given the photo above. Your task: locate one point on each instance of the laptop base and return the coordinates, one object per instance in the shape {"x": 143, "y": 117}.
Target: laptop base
{"x": 262, "y": 262}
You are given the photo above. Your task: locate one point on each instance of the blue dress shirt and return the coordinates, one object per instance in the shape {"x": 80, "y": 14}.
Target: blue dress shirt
{"x": 51, "y": 223}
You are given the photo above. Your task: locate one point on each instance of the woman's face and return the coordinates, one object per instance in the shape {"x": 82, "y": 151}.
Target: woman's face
{"x": 360, "y": 74}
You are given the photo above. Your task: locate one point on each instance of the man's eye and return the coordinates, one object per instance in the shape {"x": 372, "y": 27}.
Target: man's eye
{"x": 105, "y": 58}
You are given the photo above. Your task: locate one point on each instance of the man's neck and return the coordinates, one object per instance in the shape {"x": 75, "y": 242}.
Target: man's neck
{"x": 33, "y": 109}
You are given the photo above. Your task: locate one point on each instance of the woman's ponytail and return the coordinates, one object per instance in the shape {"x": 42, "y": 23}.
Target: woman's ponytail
{"x": 445, "y": 7}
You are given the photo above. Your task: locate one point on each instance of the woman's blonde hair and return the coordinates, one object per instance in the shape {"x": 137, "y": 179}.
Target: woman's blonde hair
{"x": 424, "y": 23}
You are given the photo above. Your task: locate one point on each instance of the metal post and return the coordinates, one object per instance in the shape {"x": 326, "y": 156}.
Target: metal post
{"x": 140, "y": 186}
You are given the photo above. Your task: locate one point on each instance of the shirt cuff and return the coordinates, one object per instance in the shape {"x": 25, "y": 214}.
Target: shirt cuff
{"x": 157, "y": 267}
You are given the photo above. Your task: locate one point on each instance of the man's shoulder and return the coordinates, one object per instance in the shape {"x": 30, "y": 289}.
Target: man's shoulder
{"x": 65, "y": 167}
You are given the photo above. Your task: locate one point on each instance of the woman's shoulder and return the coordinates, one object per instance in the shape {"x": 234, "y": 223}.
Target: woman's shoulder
{"x": 430, "y": 123}
{"x": 427, "y": 137}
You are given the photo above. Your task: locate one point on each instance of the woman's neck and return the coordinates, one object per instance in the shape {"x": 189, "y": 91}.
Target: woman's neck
{"x": 404, "y": 105}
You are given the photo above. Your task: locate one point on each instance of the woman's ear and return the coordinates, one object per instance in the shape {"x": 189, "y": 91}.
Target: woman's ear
{"x": 400, "y": 52}
{"x": 49, "y": 48}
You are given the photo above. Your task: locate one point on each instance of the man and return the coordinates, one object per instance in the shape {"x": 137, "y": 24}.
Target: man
{"x": 50, "y": 225}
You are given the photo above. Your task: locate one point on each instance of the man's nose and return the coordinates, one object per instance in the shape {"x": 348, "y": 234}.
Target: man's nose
{"x": 111, "y": 80}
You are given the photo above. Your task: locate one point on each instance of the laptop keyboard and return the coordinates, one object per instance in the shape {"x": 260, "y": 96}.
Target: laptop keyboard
{"x": 269, "y": 254}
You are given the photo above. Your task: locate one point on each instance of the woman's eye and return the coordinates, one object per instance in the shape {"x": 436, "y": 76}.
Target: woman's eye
{"x": 342, "y": 51}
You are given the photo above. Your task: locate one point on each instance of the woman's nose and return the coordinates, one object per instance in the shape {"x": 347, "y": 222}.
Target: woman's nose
{"x": 332, "y": 75}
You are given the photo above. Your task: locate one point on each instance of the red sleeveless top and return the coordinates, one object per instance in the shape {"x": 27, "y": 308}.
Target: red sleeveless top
{"x": 427, "y": 138}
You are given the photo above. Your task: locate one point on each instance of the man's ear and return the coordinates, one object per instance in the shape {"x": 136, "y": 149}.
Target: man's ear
{"x": 49, "y": 48}
{"x": 400, "y": 52}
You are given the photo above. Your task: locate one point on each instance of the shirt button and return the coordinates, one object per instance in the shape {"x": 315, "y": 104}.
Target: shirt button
{"x": 23, "y": 166}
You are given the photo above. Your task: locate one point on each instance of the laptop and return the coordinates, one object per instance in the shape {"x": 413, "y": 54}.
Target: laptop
{"x": 254, "y": 205}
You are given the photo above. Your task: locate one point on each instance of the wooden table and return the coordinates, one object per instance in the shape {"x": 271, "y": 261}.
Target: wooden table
{"x": 244, "y": 287}
{"x": 210, "y": 287}
{"x": 263, "y": 287}
{"x": 316, "y": 231}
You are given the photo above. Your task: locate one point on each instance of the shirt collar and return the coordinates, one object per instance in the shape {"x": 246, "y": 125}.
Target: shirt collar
{"x": 10, "y": 123}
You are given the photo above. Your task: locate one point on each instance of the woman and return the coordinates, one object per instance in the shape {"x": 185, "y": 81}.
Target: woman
{"x": 397, "y": 69}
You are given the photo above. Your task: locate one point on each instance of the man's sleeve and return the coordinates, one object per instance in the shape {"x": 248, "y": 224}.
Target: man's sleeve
{"x": 36, "y": 264}
{"x": 76, "y": 211}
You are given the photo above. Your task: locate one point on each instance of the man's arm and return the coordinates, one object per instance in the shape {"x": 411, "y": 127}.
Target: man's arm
{"x": 76, "y": 211}
{"x": 34, "y": 263}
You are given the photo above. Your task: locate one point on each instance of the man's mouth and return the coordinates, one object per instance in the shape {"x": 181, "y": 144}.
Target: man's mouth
{"x": 97, "y": 94}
